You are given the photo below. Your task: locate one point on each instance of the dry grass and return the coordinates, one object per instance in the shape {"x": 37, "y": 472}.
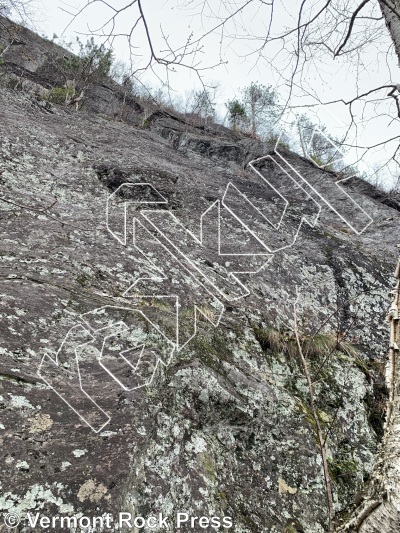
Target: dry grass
{"x": 313, "y": 346}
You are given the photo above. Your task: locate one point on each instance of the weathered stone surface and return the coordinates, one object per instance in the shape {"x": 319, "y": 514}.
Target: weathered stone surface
{"x": 225, "y": 428}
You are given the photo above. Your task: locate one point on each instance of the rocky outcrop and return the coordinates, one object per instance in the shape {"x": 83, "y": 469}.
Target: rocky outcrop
{"x": 36, "y": 65}
{"x": 222, "y": 428}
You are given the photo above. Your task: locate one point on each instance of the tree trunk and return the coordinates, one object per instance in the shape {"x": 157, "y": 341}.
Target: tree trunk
{"x": 391, "y": 12}
{"x": 253, "y": 118}
{"x": 380, "y": 511}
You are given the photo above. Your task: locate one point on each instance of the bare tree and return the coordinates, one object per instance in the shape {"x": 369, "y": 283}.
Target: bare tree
{"x": 261, "y": 106}
{"x": 380, "y": 507}
{"x": 18, "y": 9}
{"x": 316, "y": 143}
{"x": 295, "y": 39}
{"x": 203, "y": 105}
{"x": 297, "y": 50}
{"x": 320, "y": 436}
{"x": 187, "y": 55}
{"x": 5, "y": 10}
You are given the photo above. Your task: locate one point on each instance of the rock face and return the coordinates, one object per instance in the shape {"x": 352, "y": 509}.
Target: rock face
{"x": 207, "y": 410}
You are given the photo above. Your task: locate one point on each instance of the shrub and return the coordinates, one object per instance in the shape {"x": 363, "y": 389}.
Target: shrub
{"x": 59, "y": 95}
{"x": 92, "y": 64}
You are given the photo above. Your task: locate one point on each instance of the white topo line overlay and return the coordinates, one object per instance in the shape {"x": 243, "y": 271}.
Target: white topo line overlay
{"x": 183, "y": 248}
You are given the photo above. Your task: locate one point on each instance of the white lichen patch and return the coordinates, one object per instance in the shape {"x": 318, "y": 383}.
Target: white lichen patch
{"x": 20, "y": 402}
{"x": 36, "y": 497}
{"x": 197, "y": 445}
{"x": 79, "y": 453}
{"x": 22, "y": 465}
{"x": 108, "y": 433}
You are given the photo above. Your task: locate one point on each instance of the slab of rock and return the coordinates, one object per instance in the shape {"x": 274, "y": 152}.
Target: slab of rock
{"x": 215, "y": 422}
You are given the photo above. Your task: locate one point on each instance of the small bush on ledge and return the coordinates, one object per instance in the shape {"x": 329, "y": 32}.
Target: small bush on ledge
{"x": 60, "y": 95}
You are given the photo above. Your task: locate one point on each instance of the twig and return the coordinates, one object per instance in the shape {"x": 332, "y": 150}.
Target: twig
{"x": 29, "y": 207}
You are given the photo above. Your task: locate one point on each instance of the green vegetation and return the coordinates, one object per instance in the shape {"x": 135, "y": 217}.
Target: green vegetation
{"x": 92, "y": 64}
{"x": 280, "y": 142}
{"x": 291, "y": 528}
{"x": 323, "y": 417}
{"x": 260, "y": 104}
{"x": 236, "y": 113}
{"x": 211, "y": 350}
{"x": 204, "y": 313}
{"x": 84, "y": 280}
{"x": 208, "y": 466}
{"x": 60, "y": 95}
{"x": 274, "y": 340}
{"x": 341, "y": 469}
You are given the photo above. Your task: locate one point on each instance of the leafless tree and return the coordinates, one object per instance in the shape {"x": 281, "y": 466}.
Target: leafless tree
{"x": 261, "y": 106}
{"x": 297, "y": 39}
{"x": 320, "y": 435}
{"x": 18, "y": 9}
{"x": 313, "y": 35}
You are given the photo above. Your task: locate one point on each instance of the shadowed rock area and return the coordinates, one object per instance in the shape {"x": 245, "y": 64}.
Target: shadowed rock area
{"x": 212, "y": 418}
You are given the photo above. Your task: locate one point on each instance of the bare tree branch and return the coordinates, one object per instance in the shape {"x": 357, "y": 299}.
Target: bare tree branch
{"x": 321, "y": 439}
{"x": 353, "y": 18}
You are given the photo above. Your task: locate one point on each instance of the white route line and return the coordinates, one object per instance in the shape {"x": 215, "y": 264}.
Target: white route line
{"x": 188, "y": 264}
{"x": 56, "y": 362}
{"x": 162, "y": 277}
{"x": 336, "y": 183}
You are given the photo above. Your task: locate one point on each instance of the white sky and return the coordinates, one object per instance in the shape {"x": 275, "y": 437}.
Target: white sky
{"x": 331, "y": 79}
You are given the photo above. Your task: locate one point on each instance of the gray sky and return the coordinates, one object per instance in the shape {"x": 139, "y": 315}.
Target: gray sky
{"x": 328, "y": 79}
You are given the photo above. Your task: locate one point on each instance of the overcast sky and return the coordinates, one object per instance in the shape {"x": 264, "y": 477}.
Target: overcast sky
{"x": 330, "y": 79}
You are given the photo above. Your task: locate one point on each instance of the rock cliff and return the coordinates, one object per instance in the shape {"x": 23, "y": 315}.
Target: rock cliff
{"x": 148, "y": 236}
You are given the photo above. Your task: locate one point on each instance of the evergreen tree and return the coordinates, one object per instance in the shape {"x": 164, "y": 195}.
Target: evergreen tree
{"x": 236, "y": 113}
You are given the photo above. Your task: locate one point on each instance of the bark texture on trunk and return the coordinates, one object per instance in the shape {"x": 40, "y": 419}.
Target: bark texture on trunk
{"x": 391, "y": 12}
{"x": 380, "y": 511}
